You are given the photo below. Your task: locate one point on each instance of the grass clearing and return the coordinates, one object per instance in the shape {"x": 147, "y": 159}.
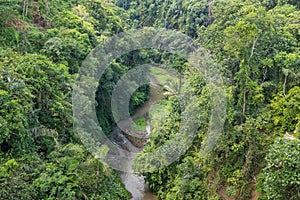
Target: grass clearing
{"x": 163, "y": 76}
{"x": 140, "y": 124}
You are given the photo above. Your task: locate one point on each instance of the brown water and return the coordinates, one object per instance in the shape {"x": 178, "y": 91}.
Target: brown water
{"x": 155, "y": 95}
{"x": 135, "y": 184}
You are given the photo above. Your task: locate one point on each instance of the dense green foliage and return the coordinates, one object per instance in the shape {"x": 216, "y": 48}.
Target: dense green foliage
{"x": 43, "y": 44}
{"x": 280, "y": 178}
{"x": 257, "y": 45}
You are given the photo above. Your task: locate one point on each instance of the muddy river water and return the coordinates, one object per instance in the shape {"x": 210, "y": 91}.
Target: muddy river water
{"x": 135, "y": 184}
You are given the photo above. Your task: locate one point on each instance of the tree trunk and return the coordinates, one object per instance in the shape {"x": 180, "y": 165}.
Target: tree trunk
{"x": 47, "y": 7}
{"x": 25, "y": 9}
{"x": 284, "y": 84}
{"x": 244, "y": 102}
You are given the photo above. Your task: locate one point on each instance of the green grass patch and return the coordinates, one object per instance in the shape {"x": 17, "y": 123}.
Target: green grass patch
{"x": 140, "y": 124}
{"x": 162, "y": 75}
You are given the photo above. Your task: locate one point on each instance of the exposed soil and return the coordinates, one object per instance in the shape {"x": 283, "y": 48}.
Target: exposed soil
{"x": 137, "y": 142}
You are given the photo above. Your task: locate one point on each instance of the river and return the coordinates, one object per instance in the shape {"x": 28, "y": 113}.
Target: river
{"x": 135, "y": 184}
